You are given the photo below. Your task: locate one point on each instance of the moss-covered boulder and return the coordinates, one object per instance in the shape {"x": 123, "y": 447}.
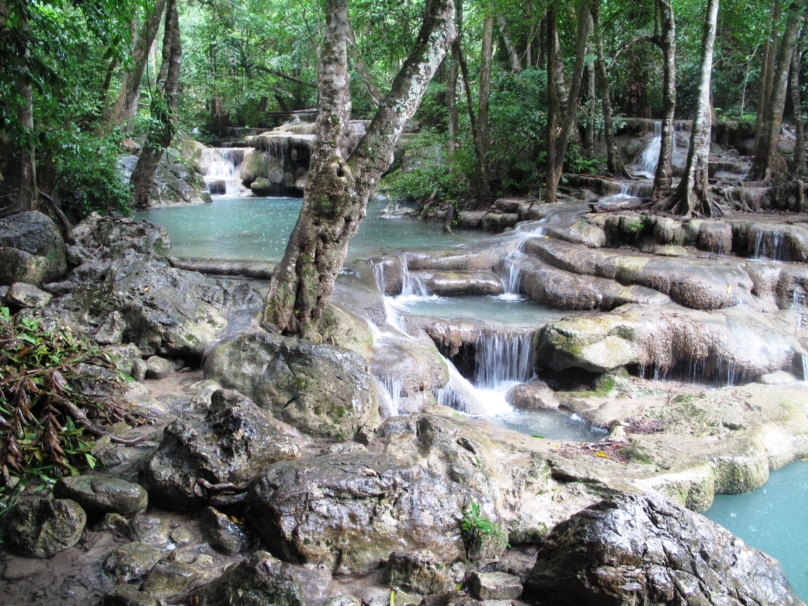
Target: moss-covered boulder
{"x": 31, "y": 249}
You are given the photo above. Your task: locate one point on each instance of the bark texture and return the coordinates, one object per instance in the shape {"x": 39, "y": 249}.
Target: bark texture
{"x": 691, "y": 194}
{"x": 164, "y": 106}
{"x": 359, "y": 63}
{"x": 336, "y": 196}
{"x": 513, "y": 56}
{"x": 614, "y": 163}
{"x": 666, "y": 41}
{"x": 767, "y": 70}
{"x": 768, "y": 163}
{"x": 125, "y": 106}
{"x": 27, "y": 196}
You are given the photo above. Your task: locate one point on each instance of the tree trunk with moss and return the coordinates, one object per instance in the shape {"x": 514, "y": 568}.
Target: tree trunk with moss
{"x": 163, "y": 110}
{"x": 768, "y": 163}
{"x": 799, "y": 168}
{"x": 691, "y": 194}
{"x": 666, "y": 41}
{"x": 338, "y": 189}
{"x": 767, "y": 70}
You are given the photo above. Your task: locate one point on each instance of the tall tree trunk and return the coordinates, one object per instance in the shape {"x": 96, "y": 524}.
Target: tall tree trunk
{"x": 561, "y": 83}
{"x": 336, "y": 196}
{"x": 27, "y": 196}
{"x": 551, "y": 132}
{"x": 614, "y": 163}
{"x": 767, "y": 71}
{"x": 798, "y": 164}
{"x": 589, "y": 131}
{"x": 163, "y": 108}
{"x": 451, "y": 87}
{"x": 486, "y": 55}
{"x": 667, "y": 42}
{"x": 768, "y": 163}
{"x": 541, "y": 60}
{"x": 513, "y": 56}
{"x": 691, "y": 194}
{"x": 373, "y": 90}
{"x": 125, "y": 107}
{"x": 554, "y": 173}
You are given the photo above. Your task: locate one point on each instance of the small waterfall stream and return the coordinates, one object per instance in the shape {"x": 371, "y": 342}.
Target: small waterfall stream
{"x": 502, "y": 357}
{"x": 222, "y": 170}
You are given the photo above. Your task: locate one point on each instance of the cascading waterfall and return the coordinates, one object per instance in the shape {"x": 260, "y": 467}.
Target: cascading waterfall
{"x": 799, "y": 307}
{"x": 502, "y": 357}
{"x": 805, "y": 367}
{"x": 222, "y": 171}
{"x": 390, "y": 396}
{"x": 412, "y": 286}
{"x": 650, "y": 155}
{"x": 512, "y": 278}
{"x": 770, "y": 245}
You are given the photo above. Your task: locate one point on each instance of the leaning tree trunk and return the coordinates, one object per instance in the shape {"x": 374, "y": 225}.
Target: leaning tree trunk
{"x": 554, "y": 172}
{"x": 798, "y": 164}
{"x": 691, "y": 195}
{"x": 513, "y": 56}
{"x": 768, "y": 162}
{"x": 125, "y": 107}
{"x": 163, "y": 109}
{"x": 481, "y": 183}
{"x": 353, "y": 48}
{"x": 767, "y": 71}
{"x": 486, "y": 54}
{"x": 614, "y": 163}
{"x": 666, "y": 41}
{"x": 336, "y": 196}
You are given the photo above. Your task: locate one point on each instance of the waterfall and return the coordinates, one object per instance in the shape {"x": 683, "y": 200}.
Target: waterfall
{"x": 805, "y": 367}
{"x": 221, "y": 175}
{"x": 459, "y": 393}
{"x": 770, "y": 245}
{"x": 502, "y": 357}
{"x": 799, "y": 308}
{"x": 650, "y": 156}
{"x": 390, "y": 396}
{"x": 512, "y": 275}
{"x": 411, "y": 285}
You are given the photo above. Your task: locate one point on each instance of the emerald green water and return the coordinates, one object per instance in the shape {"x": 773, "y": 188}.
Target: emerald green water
{"x": 774, "y": 520}
{"x": 241, "y": 229}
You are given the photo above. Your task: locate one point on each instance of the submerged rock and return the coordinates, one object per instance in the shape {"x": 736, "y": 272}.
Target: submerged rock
{"x": 322, "y": 390}
{"x": 260, "y": 580}
{"x": 41, "y": 527}
{"x": 232, "y": 444}
{"x": 100, "y": 494}
{"x": 635, "y": 549}
{"x": 351, "y": 511}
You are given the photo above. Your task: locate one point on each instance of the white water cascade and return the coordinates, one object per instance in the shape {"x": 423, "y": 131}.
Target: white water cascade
{"x": 650, "y": 156}
{"x": 502, "y": 357}
{"x": 221, "y": 170}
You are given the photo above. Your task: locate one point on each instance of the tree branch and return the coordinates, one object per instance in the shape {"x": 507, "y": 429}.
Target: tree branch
{"x": 273, "y": 72}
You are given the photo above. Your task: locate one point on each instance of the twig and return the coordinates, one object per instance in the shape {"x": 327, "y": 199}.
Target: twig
{"x": 93, "y": 429}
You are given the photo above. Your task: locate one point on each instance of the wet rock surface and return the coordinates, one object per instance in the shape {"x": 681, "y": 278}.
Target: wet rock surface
{"x": 381, "y": 503}
{"x": 132, "y": 561}
{"x": 644, "y": 549}
{"x": 495, "y": 586}
{"x": 27, "y": 295}
{"x": 32, "y": 249}
{"x": 41, "y": 527}
{"x": 322, "y": 390}
{"x": 420, "y": 572}
{"x": 98, "y": 495}
{"x": 222, "y": 532}
{"x": 247, "y": 439}
{"x": 260, "y": 579}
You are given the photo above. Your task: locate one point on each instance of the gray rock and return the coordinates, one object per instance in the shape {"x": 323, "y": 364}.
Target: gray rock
{"x": 123, "y": 356}
{"x": 128, "y": 595}
{"x": 247, "y": 439}
{"x": 343, "y": 600}
{"x": 31, "y": 249}
{"x": 715, "y": 236}
{"x": 535, "y": 395}
{"x": 181, "y": 536}
{"x": 150, "y": 529}
{"x": 111, "y": 237}
{"x": 41, "y": 527}
{"x": 111, "y": 331}
{"x": 634, "y": 549}
{"x": 417, "y": 367}
{"x": 139, "y": 368}
{"x": 3, "y": 292}
{"x": 170, "y": 578}
{"x": 100, "y": 494}
{"x": 495, "y": 586}
{"x": 158, "y": 368}
{"x": 260, "y": 580}
{"x": 383, "y": 503}
{"x": 420, "y": 572}
{"x": 27, "y": 295}
{"x": 131, "y": 561}
{"x": 323, "y": 390}
{"x": 222, "y": 532}
{"x": 114, "y": 522}
{"x": 450, "y": 598}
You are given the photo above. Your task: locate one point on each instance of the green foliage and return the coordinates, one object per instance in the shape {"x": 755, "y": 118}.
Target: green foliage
{"x": 477, "y": 528}
{"x": 44, "y": 379}
{"x": 89, "y": 175}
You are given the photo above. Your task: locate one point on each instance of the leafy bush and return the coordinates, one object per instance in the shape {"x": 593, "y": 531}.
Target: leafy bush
{"x": 89, "y": 178}
{"x": 477, "y": 528}
{"x": 46, "y": 401}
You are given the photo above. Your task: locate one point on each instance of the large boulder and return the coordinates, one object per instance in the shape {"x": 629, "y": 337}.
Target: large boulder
{"x": 159, "y": 308}
{"x": 320, "y": 389}
{"x": 634, "y": 549}
{"x": 410, "y": 370}
{"x": 350, "y": 511}
{"x": 420, "y": 572}
{"x": 234, "y": 442}
{"x": 31, "y": 249}
{"x": 41, "y": 528}
{"x": 260, "y": 580}
{"x": 111, "y": 237}
{"x": 101, "y": 494}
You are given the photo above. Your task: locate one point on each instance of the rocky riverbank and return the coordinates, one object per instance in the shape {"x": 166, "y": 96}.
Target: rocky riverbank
{"x": 276, "y": 475}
